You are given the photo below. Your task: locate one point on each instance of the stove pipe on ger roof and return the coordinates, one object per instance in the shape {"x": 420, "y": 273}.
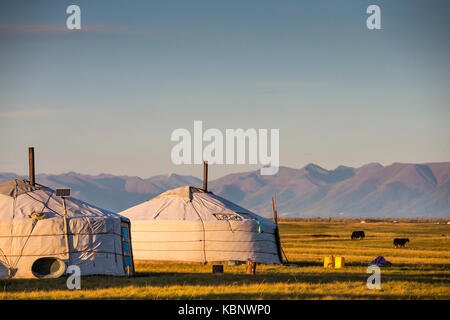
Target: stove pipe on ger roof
{"x": 205, "y": 176}
{"x": 31, "y": 165}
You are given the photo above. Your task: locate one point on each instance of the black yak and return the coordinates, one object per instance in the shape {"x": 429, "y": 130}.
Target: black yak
{"x": 358, "y": 235}
{"x": 400, "y": 242}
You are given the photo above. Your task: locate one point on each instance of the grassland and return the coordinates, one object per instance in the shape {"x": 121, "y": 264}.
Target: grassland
{"x": 419, "y": 271}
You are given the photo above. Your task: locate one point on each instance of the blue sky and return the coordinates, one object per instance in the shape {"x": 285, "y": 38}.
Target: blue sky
{"x": 107, "y": 99}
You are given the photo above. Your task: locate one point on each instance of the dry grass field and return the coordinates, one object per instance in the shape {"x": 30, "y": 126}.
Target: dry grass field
{"x": 419, "y": 271}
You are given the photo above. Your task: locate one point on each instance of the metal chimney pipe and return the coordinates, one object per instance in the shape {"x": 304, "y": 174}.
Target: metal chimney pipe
{"x": 31, "y": 165}
{"x": 205, "y": 176}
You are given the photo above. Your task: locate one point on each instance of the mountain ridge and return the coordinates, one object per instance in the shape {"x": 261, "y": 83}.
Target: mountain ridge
{"x": 372, "y": 190}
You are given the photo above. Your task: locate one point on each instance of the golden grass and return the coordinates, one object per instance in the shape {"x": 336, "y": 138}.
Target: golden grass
{"x": 420, "y": 271}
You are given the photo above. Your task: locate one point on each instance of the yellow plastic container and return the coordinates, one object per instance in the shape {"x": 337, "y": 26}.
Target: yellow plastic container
{"x": 339, "y": 262}
{"x": 333, "y": 262}
{"x": 328, "y": 262}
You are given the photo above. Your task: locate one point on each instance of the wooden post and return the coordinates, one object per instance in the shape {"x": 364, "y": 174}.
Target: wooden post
{"x": 205, "y": 176}
{"x": 251, "y": 267}
{"x": 31, "y": 165}
{"x": 66, "y": 229}
{"x": 277, "y": 231}
{"x": 275, "y": 212}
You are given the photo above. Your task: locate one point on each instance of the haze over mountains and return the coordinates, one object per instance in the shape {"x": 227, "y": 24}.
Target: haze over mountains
{"x": 373, "y": 190}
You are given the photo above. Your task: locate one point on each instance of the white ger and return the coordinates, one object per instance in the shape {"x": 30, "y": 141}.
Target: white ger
{"x": 188, "y": 224}
{"x": 42, "y": 234}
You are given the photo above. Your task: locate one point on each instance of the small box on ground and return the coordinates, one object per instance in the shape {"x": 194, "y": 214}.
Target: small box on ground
{"x": 218, "y": 268}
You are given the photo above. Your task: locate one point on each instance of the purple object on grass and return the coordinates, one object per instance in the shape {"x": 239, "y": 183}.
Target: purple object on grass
{"x": 380, "y": 261}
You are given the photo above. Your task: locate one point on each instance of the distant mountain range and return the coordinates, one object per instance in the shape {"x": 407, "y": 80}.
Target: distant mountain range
{"x": 373, "y": 190}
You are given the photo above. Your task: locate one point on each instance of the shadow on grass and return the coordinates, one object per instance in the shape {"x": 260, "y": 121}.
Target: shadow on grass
{"x": 304, "y": 264}
{"x": 164, "y": 279}
{"x": 301, "y": 296}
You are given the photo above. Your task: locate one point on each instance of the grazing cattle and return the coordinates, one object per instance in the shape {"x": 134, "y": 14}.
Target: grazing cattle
{"x": 400, "y": 242}
{"x": 358, "y": 235}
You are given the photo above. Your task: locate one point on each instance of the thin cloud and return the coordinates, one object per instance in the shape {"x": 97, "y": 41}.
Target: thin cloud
{"x": 294, "y": 84}
{"x": 40, "y": 113}
{"x": 53, "y": 28}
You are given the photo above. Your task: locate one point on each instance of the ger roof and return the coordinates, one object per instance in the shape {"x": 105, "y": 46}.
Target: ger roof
{"x": 14, "y": 188}
{"x": 186, "y": 203}
{"x": 19, "y": 199}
